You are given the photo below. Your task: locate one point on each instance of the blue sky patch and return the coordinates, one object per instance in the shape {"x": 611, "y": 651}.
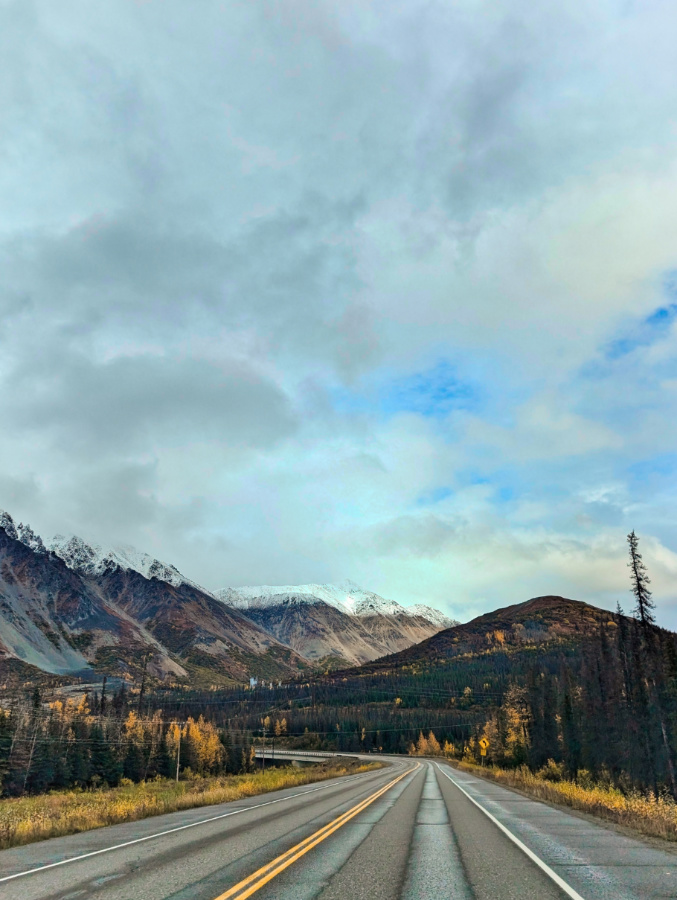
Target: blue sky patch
{"x": 652, "y": 327}
{"x": 437, "y": 495}
{"x": 433, "y": 393}
{"x": 660, "y": 466}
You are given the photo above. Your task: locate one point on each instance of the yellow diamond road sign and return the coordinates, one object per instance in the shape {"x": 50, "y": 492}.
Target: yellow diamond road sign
{"x": 484, "y": 743}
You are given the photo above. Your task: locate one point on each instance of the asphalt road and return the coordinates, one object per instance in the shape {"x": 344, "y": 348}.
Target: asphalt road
{"x": 413, "y": 830}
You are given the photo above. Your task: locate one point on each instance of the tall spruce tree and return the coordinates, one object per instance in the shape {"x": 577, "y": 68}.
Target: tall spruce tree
{"x": 640, "y": 584}
{"x": 651, "y": 645}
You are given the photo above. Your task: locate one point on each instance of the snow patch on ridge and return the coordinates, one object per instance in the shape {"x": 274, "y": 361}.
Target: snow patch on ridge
{"x": 347, "y": 597}
{"x": 432, "y": 615}
{"x": 91, "y": 559}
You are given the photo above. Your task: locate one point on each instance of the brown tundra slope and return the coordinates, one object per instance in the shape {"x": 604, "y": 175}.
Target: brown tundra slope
{"x": 536, "y": 622}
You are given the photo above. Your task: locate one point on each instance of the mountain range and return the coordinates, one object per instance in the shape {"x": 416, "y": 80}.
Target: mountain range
{"x": 336, "y": 624}
{"x": 69, "y": 607}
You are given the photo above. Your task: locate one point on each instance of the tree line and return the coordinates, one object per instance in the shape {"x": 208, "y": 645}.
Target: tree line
{"x": 603, "y": 702}
{"x": 89, "y": 743}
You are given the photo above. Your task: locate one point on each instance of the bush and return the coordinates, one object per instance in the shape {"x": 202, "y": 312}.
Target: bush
{"x": 552, "y": 771}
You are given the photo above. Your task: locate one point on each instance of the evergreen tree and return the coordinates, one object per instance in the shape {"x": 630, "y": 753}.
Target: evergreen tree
{"x": 134, "y": 763}
{"x": 103, "y": 762}
{"x": 41, "y": 774}
{"x": 164, "y": 763}
{"x": 5, "y": 745}
{"x": 640, "y": 584}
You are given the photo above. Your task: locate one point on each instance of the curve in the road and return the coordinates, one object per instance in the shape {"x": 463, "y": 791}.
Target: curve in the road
{"x": 428, "y": 832}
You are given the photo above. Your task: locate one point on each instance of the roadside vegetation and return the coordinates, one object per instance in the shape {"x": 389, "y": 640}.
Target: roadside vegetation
{"x": 646, "y": 812}
{"x": 35, "y": 818}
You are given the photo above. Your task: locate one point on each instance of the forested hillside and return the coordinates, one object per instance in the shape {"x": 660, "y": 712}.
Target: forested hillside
{"x": 548, "y": 679}
{"x": 551, "y": 683}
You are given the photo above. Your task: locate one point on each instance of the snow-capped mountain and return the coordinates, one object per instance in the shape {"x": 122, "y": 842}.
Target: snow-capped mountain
{"x": 71, "y": 606}
{"x": 21, "y": 532}
{"x": 91, "y": 559}
{"x": 66, "y": 605}
{"x": 432, "y": 615}
{"x": 347, "y": 597}
{"x": 335, "y": 623}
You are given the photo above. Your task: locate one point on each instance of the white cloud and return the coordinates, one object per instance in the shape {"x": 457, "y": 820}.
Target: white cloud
{"x": 212, "y": 224}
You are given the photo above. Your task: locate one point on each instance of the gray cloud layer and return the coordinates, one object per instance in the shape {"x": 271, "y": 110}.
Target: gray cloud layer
{"x": 227, "y": 231}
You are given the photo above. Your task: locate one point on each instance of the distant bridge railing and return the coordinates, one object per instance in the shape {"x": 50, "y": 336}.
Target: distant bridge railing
{"x": 270, "y": 753}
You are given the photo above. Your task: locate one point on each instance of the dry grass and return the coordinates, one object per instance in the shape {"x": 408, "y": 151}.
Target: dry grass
{"x": 643, "y": 812}
{"x": 27, "y": 819}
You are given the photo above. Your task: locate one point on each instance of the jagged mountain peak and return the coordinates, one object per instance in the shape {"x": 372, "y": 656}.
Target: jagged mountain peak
{"x": 21, "y": 532}
{"x": 334, "y": 622}
{"x": 92, "y": 559}
{"x": 75, "y": 605}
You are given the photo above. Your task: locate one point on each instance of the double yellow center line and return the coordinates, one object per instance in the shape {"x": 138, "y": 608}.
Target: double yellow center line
{"x": 256, "y": 880}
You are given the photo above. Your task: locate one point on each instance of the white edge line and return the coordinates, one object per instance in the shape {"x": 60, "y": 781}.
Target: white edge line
{"x": 568, "y": 890}
{"x": 150, "y": 837}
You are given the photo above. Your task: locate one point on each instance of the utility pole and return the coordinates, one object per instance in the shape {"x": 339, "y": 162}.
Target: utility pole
{"x": 178, "y": 756}
{"x": 142, "y": 691}
{"x": 263, "y": 761}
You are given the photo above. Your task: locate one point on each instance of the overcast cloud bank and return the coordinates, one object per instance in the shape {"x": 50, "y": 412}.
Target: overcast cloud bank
{"x": 299, "y": 292}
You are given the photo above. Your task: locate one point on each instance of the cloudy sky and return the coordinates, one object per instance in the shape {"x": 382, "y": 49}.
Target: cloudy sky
{"x": 323, "y": 289}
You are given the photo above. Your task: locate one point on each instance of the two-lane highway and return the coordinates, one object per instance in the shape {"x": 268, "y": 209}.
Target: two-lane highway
{"x": 412, "y": 830}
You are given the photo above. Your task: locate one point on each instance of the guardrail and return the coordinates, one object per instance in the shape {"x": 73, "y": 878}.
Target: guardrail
{"x": 269, "y": 753}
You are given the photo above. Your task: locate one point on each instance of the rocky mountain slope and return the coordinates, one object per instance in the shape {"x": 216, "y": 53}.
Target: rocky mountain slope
{"x": 70, "y": 608}
{"x": 49, "y": 617}
{"x": 335, "y": 625}
{"x": 67, "y": 606}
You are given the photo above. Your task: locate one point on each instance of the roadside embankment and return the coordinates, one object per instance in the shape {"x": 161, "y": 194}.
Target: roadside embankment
{"x": 27, "y": 819}
{"x": 647, "y": 813}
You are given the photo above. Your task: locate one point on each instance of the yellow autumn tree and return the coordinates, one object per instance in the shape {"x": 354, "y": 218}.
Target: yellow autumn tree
{"x": 421, "y": 745}
{"x": 516, "y": 710}
{"x": 206, "y": 750}
{"x": 172, "y": 738}
{"x": 134, "y": 729}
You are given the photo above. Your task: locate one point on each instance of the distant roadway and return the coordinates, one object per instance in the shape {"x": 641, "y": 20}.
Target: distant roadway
{"x": 416, "y": 830}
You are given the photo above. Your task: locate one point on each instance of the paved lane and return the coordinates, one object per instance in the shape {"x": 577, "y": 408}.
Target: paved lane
{"x": 411, "y": 831}
{"x": 222, "y": 845}
{"x": 597, "y": 861}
